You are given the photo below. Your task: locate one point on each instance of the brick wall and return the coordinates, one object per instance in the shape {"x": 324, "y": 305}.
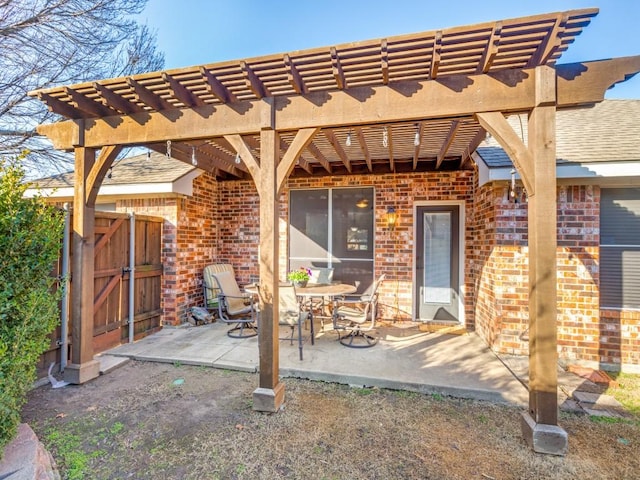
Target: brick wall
{"x": 220, "y": 224}
{"x": 586, "y": 334}
{"x": 188, "y": 237}
{"x": 620, "y": 339}
{"x": 239, "y": 227}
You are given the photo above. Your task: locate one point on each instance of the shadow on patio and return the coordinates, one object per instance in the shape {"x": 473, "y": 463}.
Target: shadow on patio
{"x": 404, "y": 359}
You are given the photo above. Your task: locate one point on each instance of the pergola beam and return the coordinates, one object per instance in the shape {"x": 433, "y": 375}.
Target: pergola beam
{"x": 294, "y": 77}
{"x": 520, "y": 155}
{"x": 116, "y": 101}
{"x": 473, "y": 145}
{"x": 490, "y": 52}
{"x": 98, "y": 170}
{"x": 216, "y": 88}
{"x": 333, "y": 140}
{"x": 181, "y": 92}
{"x": 147, "y": 97}
{"x": 435, "y": 55}
{"x": 509, "y": 91}
{"x": 253, "y": 82}
{"x": 93, "y": 108}
{"x": 302, "y": 139}
{"x": 365, "y": 148}
{"x": 446, "y": 145}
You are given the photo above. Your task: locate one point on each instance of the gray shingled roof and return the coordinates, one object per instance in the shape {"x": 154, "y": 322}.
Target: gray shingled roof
{"x": 127, "y": 171}
{"x": 607, "y": 132}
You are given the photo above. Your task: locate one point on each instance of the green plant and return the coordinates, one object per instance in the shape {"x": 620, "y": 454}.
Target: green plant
{"x": 30, "y": 238}
{"x": 300, "y": 275}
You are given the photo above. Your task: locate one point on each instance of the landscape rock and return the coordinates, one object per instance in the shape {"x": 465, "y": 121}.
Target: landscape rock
{"x": 25, "y": 458}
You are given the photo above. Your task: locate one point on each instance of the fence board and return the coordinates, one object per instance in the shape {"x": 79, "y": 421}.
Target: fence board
{"x": 111, "y": 283}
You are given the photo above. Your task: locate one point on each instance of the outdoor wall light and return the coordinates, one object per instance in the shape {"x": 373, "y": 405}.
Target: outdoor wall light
{"x": 392, "y": 218}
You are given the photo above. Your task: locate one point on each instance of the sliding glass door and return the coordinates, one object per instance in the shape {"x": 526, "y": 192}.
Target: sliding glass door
{"x": 333, "y": 228}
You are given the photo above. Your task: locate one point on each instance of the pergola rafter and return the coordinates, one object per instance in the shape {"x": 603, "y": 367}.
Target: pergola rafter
{"x": 290, "y": 114}
{"x": 404, "y": 62}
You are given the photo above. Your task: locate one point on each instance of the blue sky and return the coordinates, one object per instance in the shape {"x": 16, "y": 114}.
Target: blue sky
{"x": 194, "y": 32}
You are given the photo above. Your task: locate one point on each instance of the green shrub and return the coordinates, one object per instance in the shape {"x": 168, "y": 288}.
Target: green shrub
{"x": 30, "y": 239}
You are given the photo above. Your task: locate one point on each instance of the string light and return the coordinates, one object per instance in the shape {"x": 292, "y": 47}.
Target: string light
{"x": 238, "y": 158}
{"x": 148, "y": 154}
{"x": 194, "y": 161}
{"x": 168, "y": 148}
{"x": 110, "y": 172}
{"x": 348, "y": 142}
{"x": 385, "y": 137}
{"x": 512, "y": 193}
{"x": 416, "y": 138}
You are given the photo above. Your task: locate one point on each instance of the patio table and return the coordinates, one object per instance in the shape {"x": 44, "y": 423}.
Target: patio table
{"x": 329, "y": 292}
{"x": 323, "y": 291}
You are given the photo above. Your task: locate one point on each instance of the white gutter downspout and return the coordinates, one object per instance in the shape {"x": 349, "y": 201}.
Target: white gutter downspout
{"x": 64, "y": 273}
{"x": 132, "y": 263}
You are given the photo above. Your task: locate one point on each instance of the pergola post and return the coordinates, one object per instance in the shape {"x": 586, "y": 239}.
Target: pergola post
{"x": 269, "y": 396}
{"x": 540, "y": 423}
{"x": 82, "y": 367}
{"x": 536, "y": 163}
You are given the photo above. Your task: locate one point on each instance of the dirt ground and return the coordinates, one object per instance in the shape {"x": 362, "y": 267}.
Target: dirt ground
{"x": 163, "y": 421}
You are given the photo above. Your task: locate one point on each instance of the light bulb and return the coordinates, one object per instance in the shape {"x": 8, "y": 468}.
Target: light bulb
{"x": 237, "y": 158}
{"x": 348, "y": 142}
{"x": 194, "y": 161}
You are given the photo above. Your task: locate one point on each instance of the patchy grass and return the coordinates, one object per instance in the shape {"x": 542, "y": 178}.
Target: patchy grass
{"x": 627, "y": 392}
{"x": 136, "y": 423}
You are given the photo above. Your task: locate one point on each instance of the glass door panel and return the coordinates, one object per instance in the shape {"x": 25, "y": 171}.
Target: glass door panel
{"x": 333, "y": 228}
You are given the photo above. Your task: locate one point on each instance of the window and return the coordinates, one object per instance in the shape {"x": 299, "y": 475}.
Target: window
{"x": 333, "y": 228}
{"x": 620, "y": 248}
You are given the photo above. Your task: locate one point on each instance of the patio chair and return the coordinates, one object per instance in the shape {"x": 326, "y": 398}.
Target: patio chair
{"x": 319, "y": 276}
{"x": 209, "y": 286}
{"x": 235, "y": 307}
{"x": 293, "y": 315}
{"x": 357, "y": 315}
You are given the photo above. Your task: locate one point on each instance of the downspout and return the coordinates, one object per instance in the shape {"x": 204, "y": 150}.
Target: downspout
{"x": 64, "y": 274}
{"x": 132, "y": 264}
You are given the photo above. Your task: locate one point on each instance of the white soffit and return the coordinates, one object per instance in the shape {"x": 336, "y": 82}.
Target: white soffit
{"x": 181, "y": 186}
{"x": 603, "y": 173}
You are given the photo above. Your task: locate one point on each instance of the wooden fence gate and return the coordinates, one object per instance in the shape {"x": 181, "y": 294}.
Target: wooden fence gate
{"x": 112, "y": 274}
{"x": 112, "y": 277}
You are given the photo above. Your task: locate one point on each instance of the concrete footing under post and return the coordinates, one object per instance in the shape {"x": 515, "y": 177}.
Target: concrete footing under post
{"x": 81, "y": 373}
{"x": 549, "y": 439}
{"x": 267, "y": 399}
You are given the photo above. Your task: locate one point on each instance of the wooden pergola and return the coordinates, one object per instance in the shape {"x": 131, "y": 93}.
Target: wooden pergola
{"x": 271, "y": 117}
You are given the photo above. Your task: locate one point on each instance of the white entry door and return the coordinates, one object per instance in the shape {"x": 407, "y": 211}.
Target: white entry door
{"x": 438, "y": 263}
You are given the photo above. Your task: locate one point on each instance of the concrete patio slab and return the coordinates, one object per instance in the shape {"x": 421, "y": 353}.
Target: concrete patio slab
{"x": 405, "y": 359}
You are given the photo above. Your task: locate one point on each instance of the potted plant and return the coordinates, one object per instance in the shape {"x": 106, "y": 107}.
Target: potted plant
{"x": 300, "y": 277}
